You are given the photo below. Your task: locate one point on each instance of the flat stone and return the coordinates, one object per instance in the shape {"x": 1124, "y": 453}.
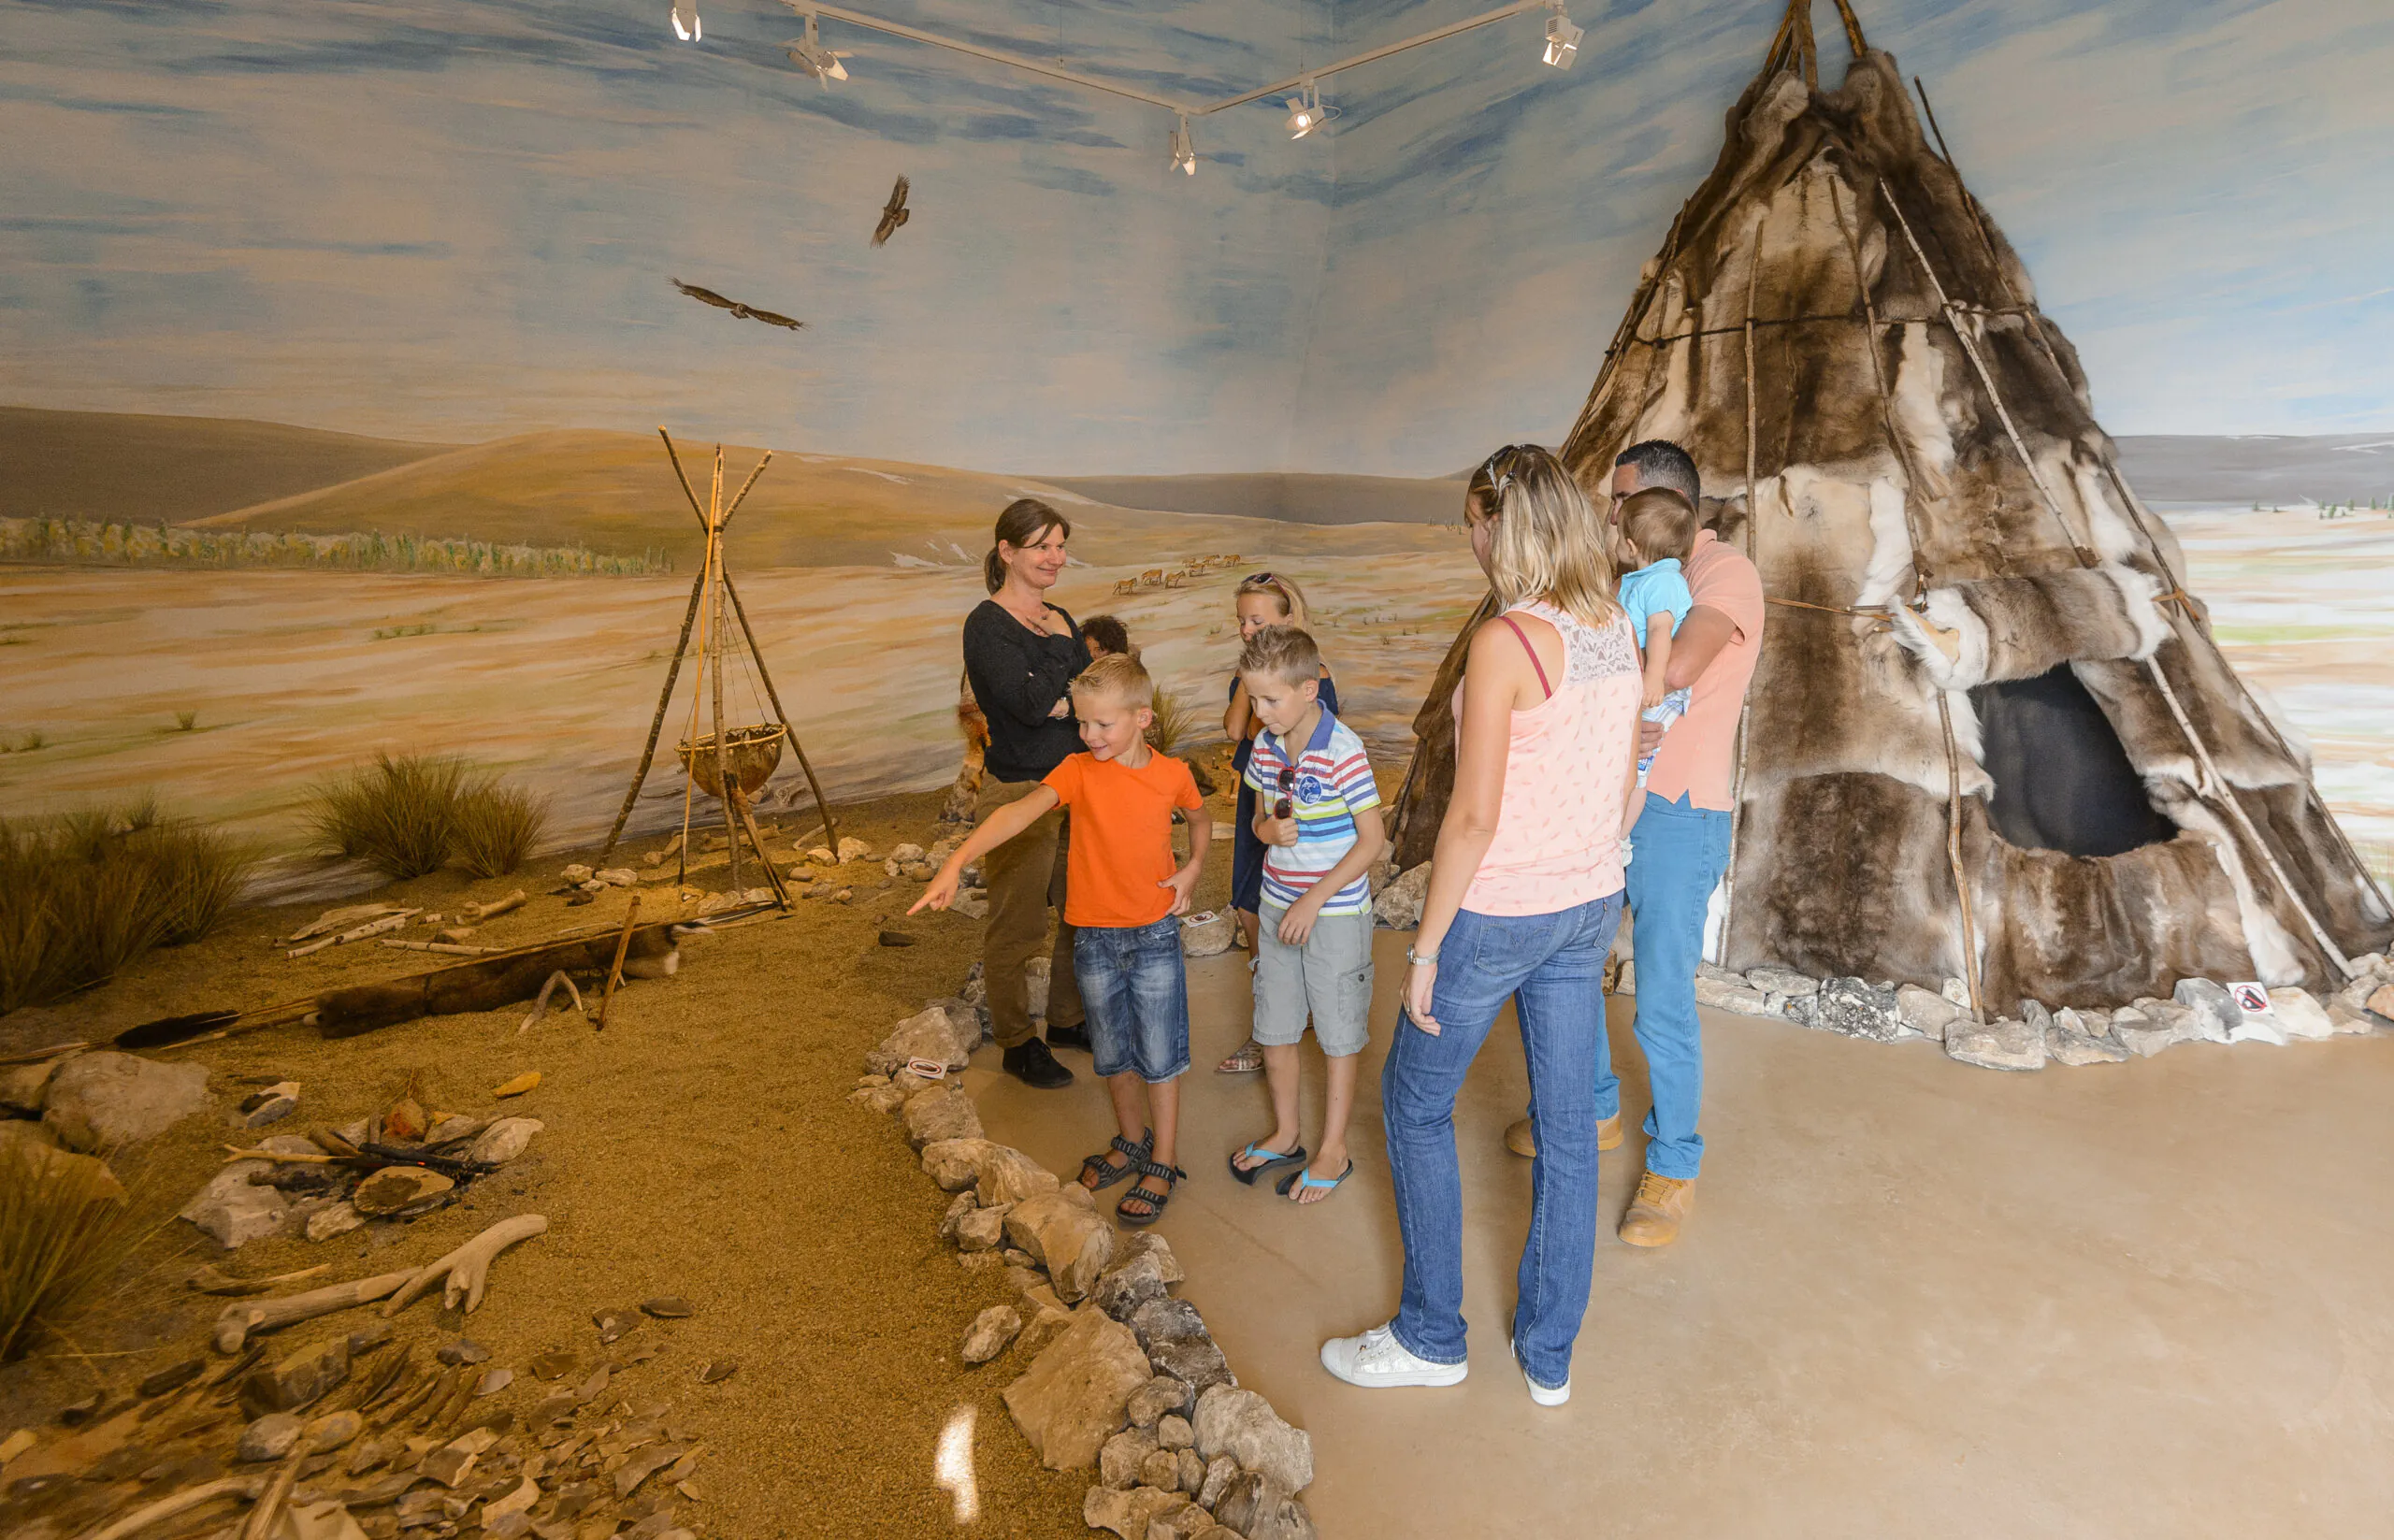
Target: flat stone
{"x": 1259, "y": 1508}
{"x": 2001, "y": 1045}
{"x": 290, "y": 1382}
{"x": 2299, "y": 1016}
{"x": 718, "y": 1370}
{"x": 991, "y": 1330}
{"x": 1242, "y": 1424}
{"x": 1073, "y": 1243}
{"x": 270, "y": 1105}
{"x": 234, "y": 1210}
{"x": 1927, "y": 1014}
{"x": 1121, "y": 1457}
{"x": 1006, "y": 1175}
{"x": 2139, "y": 1033}
{"x": 103, "y": 1100}
{"x": 614, "y": 1324}
{"x": 1174, "y": 1431}
{"x": 1783, "y": 981}
{"x": 2068, "y": 1041}
{"x": 1739, "y": 999}
{"x": 982, "y": 1230}
{"x": 1852, "y": 1007}
{"x": 1160, "y": 1397}
{"x": 269, "y": 1437}
{"x": 1179, "y": 1345}
{"x": 333, "y": 1431}
{"x": 173, "y": 1377}
{"x": 2215, "y": 1015}
{"x": 1070, "y": 1401}
{"x": 504, "y": 1140}
{"x": 397, "y": 1187}
{"x": 455, "y": 1127}
{"x": 493, "y": 1381}
{"x": 337, "y": 1218}
{"x": 1208, "y": 934}
{"x": 951, "y": 1115}
{"x": 463, "y": 1352}
{"x": 667, "y": 1307}
{"x": 1127, "y": 1513}
{"x": 2258, "y": 1026}
{"x": 1399, "y": 904}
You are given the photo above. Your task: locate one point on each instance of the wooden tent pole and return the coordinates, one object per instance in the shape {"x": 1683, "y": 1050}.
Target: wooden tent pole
{"x": 740, "y": 612}
{"x": 657, "y": 723}
{"x": 1754, "y": 511}
{"x": 1853, "y": 28}
{"x": 2216, "y": 784}
{"x": 698, "y": 699}
{"x": 724, "y": 790}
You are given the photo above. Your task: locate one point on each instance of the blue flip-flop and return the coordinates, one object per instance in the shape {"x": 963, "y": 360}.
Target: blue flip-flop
{"x": 1290, "y": 1182}
{"x": 1273, "y": 1160}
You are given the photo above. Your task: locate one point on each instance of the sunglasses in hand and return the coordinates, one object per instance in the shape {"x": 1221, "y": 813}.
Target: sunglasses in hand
{"x": 1286, "y": 807}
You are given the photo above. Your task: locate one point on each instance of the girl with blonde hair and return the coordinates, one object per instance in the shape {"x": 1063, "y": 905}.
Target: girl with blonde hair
{"x": 1524, "y": 897}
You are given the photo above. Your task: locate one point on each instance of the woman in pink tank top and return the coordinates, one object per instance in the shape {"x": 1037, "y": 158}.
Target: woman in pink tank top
{"x": 1525, "y": 896}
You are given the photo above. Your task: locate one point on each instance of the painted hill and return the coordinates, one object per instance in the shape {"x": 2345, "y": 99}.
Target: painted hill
{"x": 119, "y": 466}
{"x": 614, "y": 492}
{"x": 2267, "y": 468}
{"x": 1290, "y": 497}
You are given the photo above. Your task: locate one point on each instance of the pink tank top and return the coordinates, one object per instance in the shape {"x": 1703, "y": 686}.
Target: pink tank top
{"x": 1558, "y": 832}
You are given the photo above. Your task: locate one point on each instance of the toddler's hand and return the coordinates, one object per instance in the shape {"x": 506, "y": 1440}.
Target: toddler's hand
{"x": 941, "y": 891}
{"x": 1653, "y": 696}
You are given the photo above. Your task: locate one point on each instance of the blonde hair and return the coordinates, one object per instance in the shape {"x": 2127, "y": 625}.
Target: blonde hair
{"x": 1546, "y": 542}
{"x": 1292, "y": 598}
{"x": 1660, "y": 523}
{"x": 1119, "y": 675}
{"x": 1283, "y": 653}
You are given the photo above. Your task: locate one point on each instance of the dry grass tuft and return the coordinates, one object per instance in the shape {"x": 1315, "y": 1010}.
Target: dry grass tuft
{"x": 498, "y": 826}
{"x": 398, "y": 815}
{"x": 64, "y": 1231}
{"x": 1175, "y": 725}
{"x": 84, "y": 894}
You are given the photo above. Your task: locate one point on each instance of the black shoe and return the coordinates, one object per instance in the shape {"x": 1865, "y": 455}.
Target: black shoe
{"x": 1070, "y": 1037}
{"x": 1032, "y": 1063}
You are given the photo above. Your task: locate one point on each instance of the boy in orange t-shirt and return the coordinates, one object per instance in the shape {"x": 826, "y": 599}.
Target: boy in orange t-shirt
{"x": 1122, "y": 892}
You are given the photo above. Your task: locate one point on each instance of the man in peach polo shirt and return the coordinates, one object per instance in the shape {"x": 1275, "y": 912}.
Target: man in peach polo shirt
{"x": 1682, "y": 849}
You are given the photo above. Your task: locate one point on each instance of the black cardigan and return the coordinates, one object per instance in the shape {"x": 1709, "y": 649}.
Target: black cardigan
{"x": 1017, "y": 677}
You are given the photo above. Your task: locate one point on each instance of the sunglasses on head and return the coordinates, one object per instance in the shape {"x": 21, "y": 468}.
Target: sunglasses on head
{"x": 1258, "y": 577}
{"x": 1497, "y": 483}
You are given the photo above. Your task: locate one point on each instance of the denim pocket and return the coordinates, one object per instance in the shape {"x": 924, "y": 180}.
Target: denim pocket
{"x": 1509, "y": 946}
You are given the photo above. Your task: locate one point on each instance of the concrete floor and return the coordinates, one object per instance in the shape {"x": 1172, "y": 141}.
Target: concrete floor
{"x": 1915, "y": 1299}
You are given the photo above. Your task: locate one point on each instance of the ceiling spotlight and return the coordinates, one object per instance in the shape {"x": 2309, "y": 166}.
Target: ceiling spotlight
{"x": 1184, "y": 148}
{"x": 692, "y": 32}
{"x": 1306, "y": 112}
{"x": 808, "y": 53}
{"x": 1562, "y": 40}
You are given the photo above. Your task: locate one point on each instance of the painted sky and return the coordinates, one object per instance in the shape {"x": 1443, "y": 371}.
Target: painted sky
{"x": 452, "y": 221}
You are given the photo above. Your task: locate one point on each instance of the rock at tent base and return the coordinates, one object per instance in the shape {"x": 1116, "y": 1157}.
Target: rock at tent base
{"x": 2001, "y": 1045}
{"x": 2068, "y": 1041}
{"x": 1258, "y": 1508}
{"x": 1929, "y": 1014}
{"x": 2139, "y": 1033}
{"x": 1243, "y": 1425}
{"x": 1852, "y": 1007}
{"x": 1782, "y": 981}
{"x": 2299, "y": 1016}
{"x": 1957, "y": 992}
{"x": 2215, "y": 1015}
{"x": 1070, "y": 1401}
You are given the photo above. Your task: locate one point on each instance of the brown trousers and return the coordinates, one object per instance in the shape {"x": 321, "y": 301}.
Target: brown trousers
{"x": 1025, "y": 877}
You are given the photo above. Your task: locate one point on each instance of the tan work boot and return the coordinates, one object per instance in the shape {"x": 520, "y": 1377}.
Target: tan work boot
{"x": 1522, "y": 1142}
{"x": 1655, "y": 1215}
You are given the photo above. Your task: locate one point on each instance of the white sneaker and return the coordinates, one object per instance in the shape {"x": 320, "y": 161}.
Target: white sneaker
{"x": 1376, "y": 1360}
{"x": 1539, "y": 1393}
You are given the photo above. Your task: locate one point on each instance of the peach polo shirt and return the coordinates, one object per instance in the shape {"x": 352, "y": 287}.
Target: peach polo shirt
{"x": 1697, "y": 759}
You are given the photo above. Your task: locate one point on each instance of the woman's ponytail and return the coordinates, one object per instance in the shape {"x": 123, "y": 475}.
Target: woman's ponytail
{"x": 1025, "y": 522}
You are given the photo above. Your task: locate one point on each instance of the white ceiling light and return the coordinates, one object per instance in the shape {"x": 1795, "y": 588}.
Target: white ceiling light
{"x": 1184, "y": 148}
{"x": 808, "y": 53}
{"x": 695, "y": 31}
{"x": 1562, "y": 40}
{"x": 1305, "y": 111}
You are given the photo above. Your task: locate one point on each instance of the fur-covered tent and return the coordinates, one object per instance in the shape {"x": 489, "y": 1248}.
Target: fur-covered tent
{"x": 1990, "y": 735}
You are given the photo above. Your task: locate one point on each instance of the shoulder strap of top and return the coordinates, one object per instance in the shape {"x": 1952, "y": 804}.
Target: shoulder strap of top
{"x": 1525, "y": 639}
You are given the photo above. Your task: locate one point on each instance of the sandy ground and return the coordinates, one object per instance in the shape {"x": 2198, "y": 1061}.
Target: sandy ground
{"x": 703, "y": 1147}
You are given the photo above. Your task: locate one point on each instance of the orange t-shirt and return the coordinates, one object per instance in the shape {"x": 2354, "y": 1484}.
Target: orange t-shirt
{"x": 1697, "y": 758}
{"x": 1121, "y": 837}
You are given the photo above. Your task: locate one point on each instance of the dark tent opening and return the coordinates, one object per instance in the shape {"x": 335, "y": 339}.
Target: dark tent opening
{"x": 2062, "y": 782}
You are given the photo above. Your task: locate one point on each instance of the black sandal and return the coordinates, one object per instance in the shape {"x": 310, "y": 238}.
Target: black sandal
{"x": 1171, "y": 1177}
{"x": 1106, "y": 1172}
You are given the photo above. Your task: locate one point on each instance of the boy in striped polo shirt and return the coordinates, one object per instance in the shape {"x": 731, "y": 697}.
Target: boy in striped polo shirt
{"x": 1318, "y": 814}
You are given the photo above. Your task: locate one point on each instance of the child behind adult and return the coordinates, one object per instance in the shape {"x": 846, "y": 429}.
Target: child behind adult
{"x": 1657, "y": 533}
{"x": 1319, "y": 824}
{"x": 1262, "y": 599}
{"x": 1105, "y": 634}
{"x": 1122, "y": 892}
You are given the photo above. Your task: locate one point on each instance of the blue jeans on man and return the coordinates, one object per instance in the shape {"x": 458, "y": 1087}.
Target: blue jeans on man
{"x": 1552, "y": 966}
{"x": 1681, "y": 852}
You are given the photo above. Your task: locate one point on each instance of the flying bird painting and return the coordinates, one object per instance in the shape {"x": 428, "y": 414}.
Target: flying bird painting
{"x": 895, "y": 214}
{"x": 746, "y": 313}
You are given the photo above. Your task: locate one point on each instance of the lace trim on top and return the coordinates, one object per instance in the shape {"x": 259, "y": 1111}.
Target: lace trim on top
{"x": 1590, "y": 653}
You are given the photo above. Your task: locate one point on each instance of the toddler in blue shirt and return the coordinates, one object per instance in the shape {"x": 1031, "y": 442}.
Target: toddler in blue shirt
{"x": 1657, "y": 532}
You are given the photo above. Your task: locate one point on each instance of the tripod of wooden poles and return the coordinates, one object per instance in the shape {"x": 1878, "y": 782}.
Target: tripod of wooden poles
{"x": 729, "y": 764}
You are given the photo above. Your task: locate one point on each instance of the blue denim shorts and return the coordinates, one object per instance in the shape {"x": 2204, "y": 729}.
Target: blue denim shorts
{"x": 1135, "y": 990}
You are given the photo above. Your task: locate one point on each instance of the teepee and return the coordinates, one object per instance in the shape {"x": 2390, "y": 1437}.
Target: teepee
{"x": 1990, "y": 735}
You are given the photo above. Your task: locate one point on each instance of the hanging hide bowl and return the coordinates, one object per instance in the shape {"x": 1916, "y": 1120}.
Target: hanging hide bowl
{"x": 754, "y": 753}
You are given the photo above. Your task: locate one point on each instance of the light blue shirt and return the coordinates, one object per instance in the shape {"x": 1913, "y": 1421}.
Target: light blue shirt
{"x": 1652, "y": 590}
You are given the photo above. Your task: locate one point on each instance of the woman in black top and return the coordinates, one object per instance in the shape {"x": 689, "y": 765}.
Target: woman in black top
{"x": 1021, "y": 653}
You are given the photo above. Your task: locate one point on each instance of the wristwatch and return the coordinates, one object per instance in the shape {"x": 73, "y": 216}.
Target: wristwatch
{"x": 1417, "y": 960}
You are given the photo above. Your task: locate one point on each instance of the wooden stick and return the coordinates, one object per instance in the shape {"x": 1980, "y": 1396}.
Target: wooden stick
{"x": 235, "y": 1324}
{"x": 207, "y": 1280}
{"x": 38, "y": 1055}
{"x": 341, "y": 919}
{"x": 664, "y": 700}
{"x": 268, "y": 1506}
{"x": 615, "y": 970}
{"x": 464, "y": 1271}
{"x": 822, "y": 805}
{"x": 453, "y": 949}
{"x": 1754, "y": 521}
{"x": 237, "y": 1153}
{"x": 372, "y": 927}
{"x": 772, "y": 873}
{"x": 243, "y": 1487}
{"x": 742, "y": 495}
{"x": 724, "y": 788}
{"x": 474, "y": 914}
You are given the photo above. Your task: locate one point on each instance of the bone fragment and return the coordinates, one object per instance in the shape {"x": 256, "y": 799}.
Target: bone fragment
{"x": 464, "y": 1271}
{"x": 235, "y": 1324}
{"x": 372, "y": 927}
{"x": 474, "y": 914}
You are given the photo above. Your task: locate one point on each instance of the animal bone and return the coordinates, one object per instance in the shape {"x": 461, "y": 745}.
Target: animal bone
{"x": 341, "y": 919}
{"x": 372, "y": 927}
{"x": 541, "y": 1006}
{"x": 236, "y": 1321}
{"x": 468, "y": 1268}
{"x": 235, "y": 1152}
{"x": 243, "y": 1487}
{"x": 207, "y": 1280}
{"x": 474, "y": 914}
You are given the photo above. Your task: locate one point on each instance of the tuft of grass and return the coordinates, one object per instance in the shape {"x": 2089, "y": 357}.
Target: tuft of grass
{"x": 1176, "y": 723}
{"x": 186, "y": 721}
{"x": 85, "y": 895}
{"x": 398, "y": 815}
{"x": 498, "y": 825}
{"x": 25, "y": 743}
{"x": 66, "y": 1230}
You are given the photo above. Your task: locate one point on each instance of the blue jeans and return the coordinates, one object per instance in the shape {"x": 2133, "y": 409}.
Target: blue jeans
{"x": 1136, "y": 988}
{"x": 1552, "y": 967}
{"x": 1681, "y": 852}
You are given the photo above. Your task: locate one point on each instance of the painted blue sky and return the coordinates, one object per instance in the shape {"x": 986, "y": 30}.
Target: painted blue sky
{"x": 451, "y": 220}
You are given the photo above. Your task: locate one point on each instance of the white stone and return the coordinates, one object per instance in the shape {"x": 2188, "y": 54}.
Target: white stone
{"x": 1741, "y": 999}
{"x": 577, "y": 874}
{"x": 2139, "y": 1033}
{"x": 2001, "y": 1045}
{"x": 617, "y": 876}
{"x": 905, "y": 854}
{"x": 274, "y": 1103}
{"x": 504, "y": 1140}
{"x": 1929, "y": 1014}
{"x": 101, "y": 1102}
{"x": 2299, "y": 1016}
{"x": 338, "y": 1219}
{"x": 2215, "y": 1015}
{"x": 991, "y": 1330}
{"x": 854, "y": 849}
{"x": 1957, "y": 991}
{"x": 1782, "y": 981}
{"x": 2068, "y": 1041}
{"x": 233, "y": 1211}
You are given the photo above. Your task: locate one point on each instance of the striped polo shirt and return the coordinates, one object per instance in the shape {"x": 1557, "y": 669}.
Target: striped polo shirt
{"x": 1332, "y": 783}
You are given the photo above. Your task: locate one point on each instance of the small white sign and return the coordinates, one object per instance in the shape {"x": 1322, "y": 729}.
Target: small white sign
{"x": 2252, "y": 999}
{"x": 928, "y": 1069}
